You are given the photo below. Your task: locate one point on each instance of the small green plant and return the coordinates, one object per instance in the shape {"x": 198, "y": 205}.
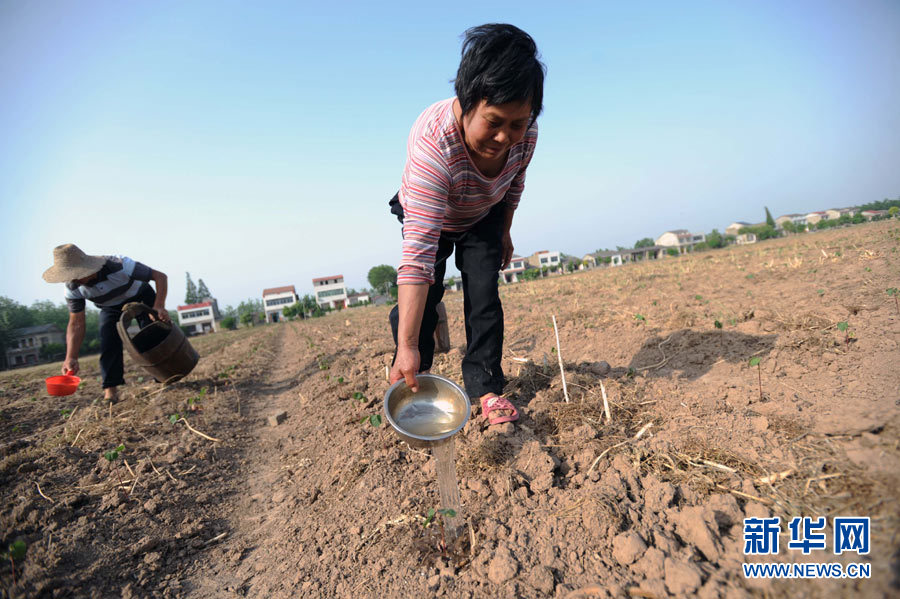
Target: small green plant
{"x": 340, "y": 380}
{"x": 65, "y": 413}
{"x": 16, "y": 428}
{"x": 895, "y": 293}
{"x": 440, "y": 515}
{"x": 842, "y": 326}
{"x": 640, "y": 318}
{"x": 140, "y": 379}
{"x": 173, "y": 418}
{"x": 15, "y": 551}
{"x": 717, "y": 324}
{"x": 358, "y": 396}
{"x": 112, "y": 457}
{"x": 194, "y": 402}
{"x": 821, "y": 292}
{"x": 373, "y": 419}
{"x": 698, "y": 297}
{"x": 868, "y": 269}
{"x": 751, "y": 276}
{"x": 755, "y": 362}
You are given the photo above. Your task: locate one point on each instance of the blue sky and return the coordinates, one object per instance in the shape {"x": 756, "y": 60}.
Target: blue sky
{"x": 256, "y": 144}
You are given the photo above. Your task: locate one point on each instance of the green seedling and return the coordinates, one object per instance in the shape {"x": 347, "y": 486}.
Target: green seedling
{"x": 112, "y": 457}
{"x": 359, "y": 397}
{"x": 751, "y": 276}
{"x": 173, "y": 418}
{"x": 340, "y": 380}
{"x": 654, "y": 302}
{"x": 16, "y": 551}
{"x": 373, "y": 419}
{"x": 65, "y": 413}
{"x": 755, "y": 362}
{"x": 194, "y": 402}
{"x": 844, "y": 327}
{"x": 868, "y": 269}
{"x": 16, "y": 428}
{"x": 717, "y": 324}
{"x": 895, "y": 293}
{"x": 33, "y": 398}
{"x": 140, "y": 379}
{"x": 440, "y": 514}
{"x": 698, "y": 297}
{"x": 732, "y": 321}
{"x": 640, "y": 318}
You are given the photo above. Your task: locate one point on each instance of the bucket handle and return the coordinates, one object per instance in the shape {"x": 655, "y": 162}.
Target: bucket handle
{"x": 132, "y": 310}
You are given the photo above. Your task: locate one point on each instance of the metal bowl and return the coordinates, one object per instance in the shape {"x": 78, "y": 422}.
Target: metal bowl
{"x": 438, "y": 410}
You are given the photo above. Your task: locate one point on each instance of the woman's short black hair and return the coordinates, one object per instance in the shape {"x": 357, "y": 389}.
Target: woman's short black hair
{"x": 499, "y": 64}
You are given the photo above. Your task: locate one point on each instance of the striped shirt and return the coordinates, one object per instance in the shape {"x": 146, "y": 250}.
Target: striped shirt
{"x": 443, "y": 190}
{"x": 118, "y": 281}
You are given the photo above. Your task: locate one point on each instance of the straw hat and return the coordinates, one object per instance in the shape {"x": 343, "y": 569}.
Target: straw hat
{"x": 70, "y": 263}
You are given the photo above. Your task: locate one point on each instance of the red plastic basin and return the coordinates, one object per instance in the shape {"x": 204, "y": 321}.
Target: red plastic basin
{"x": 63, "y": 384}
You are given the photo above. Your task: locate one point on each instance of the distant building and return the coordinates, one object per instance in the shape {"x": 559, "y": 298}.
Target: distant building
{"x": 544, "y": 259}
{"x": 456, "y": 284}
{"x": 356, "y": 298}
{"x": 872, "y": 214}
{"x": 604, "y": 258}
{"x": 276, "y": 299}
{"x": 26, "y": 343}
{"x": 745, "y": 238}
{"x": 799, "y": 220}
{"x": 735, "y": 227}
{"x": 330, "y": 291}
{"x": 517, "y": 266}
{"x": 814, "y": 217}
{"x": 681, "y": 239}
{"x": 836, "y": 213}
{"x": 200, "y": 318}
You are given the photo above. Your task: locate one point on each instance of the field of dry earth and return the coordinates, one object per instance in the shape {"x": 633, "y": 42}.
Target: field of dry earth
{"x": 566, "y": 503}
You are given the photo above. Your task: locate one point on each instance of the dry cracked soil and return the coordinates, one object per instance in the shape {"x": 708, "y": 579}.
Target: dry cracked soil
{"x": 210, "y": 500}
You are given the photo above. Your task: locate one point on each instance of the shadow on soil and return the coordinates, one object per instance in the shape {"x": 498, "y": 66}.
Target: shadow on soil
{"x": 693, "y": 353}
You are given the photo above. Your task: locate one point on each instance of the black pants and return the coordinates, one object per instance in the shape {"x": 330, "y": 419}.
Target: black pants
{"x": 478, "y": 258}
{"x": 111, "y": 362}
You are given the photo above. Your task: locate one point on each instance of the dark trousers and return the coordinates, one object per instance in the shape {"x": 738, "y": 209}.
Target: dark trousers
{"x": 112, "y": 364}
{"x": 478, "y": 257}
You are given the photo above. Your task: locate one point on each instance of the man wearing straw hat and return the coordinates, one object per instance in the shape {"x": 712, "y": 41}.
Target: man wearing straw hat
{"x": 109, "y": 282}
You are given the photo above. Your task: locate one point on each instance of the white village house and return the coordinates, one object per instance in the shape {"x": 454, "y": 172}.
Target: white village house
{"x": 26, "y": 343}
{"x": 276, "y": 299}
{"x": 681, "y": 239}
{"x": 543, "y": 259}
{"x": 199, "y": 318}
{"x": 735, "y": 227}
{"x": 511, "y": 273}
{"x": 799, "y": 220}
{"x": 330, "y": 291}
{"x": 356, "y": 298}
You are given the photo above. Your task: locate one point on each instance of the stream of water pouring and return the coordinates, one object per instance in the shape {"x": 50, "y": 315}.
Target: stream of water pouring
{"x": 445, "y": 465}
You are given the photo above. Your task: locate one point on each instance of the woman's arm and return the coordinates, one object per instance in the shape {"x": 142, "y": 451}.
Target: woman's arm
{"x": 411, "y": 306}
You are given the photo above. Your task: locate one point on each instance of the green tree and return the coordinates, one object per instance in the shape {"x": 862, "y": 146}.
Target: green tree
{"x": 644, "y": 243}
{"x": 202, "y": 292}
{"x": 715, "y": 239}
{"x": 229, "y": 322}
{"x": 382, "y": 277}
{"x": 769, "y": 220}
{"x": 247, "y": 319}
{"x": 190, "y": 295}
{"x": 13, "y": 316}
{"x": 892, "y": 211}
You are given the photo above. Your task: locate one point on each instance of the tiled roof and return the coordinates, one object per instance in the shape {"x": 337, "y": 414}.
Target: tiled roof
{"x": 274, "y": 290}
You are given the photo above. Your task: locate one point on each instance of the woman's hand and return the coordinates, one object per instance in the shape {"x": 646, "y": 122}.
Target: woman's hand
{"x": 507, "y": 249}
{"x": 406, "y": 366}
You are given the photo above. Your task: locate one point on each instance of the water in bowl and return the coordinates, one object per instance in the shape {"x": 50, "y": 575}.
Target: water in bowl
{"x": 427, "y": 418}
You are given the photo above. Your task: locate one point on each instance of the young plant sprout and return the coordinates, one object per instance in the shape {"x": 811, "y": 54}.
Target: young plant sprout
{"x": 16, "y": 551}
{"x": 441, "y": 514}
{"x": 111, "y": 457}
{"x": 755, "y": 362}
{"x": 374, "y": 420}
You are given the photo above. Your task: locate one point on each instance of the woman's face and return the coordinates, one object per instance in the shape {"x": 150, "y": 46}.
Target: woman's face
{"x": 491, "y": 130}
